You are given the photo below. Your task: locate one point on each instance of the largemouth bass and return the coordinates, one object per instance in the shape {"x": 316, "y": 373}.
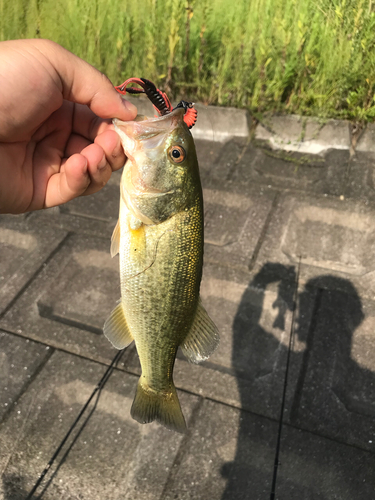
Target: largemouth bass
{"x": 159, "y": 237}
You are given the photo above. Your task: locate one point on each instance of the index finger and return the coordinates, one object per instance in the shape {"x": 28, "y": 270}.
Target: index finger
{"x": 87, "y": 124}
{"x": 82, "y": 83}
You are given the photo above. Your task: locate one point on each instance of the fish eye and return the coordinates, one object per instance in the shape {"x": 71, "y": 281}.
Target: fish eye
{"x": 177, "y": 154}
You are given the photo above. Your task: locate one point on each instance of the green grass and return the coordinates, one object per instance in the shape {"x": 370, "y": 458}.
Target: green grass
{"x": 313, "y": 57}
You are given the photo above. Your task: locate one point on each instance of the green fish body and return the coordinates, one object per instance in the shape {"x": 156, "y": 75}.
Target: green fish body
{"x": 159, "y": 237}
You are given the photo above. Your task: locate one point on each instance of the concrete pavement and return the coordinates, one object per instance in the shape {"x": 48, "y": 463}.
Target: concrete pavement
{"x": 279, "y": 226}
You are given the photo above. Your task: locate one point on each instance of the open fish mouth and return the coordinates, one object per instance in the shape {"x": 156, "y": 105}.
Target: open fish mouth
{"x": 146, "y": 129}
{"x": 143, "y": 140}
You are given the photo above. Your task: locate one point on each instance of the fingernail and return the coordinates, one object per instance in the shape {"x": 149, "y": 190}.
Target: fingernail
{"x": 103, "y": 162}
{"x": 130, "y": 107}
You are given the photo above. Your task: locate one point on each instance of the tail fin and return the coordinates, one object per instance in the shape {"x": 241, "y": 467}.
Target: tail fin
{"x": 150, "y": 405}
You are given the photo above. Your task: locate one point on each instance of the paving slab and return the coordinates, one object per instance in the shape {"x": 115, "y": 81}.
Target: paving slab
{"x": 53, "y": 217}
{"x": 223, "y": 161}
{"x": 335, "y": 391}
{"x": 313, "y": 467}
{"x": 86, "y": 289}
{"x": 281, "y": 170}
{"x": 112, "y": 457}
{"x": 20, "y": 360}
{"x": 207, "y": 152}
{"x": 102, "y": 206}
{"x": 229, "y": 455}
{"x": 23, "y": 249}
{"x": 331, "y": 236}
{"x": 81, "y": 280}
{"x": 233, "y": 225}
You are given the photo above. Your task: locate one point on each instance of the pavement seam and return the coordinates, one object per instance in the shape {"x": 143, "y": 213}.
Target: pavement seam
{"x": 239, "y": 158}
{"x": 283, "y": 400}
{"x": 65, "y": 351}
{"x": 305, "y": 359}
{"x": 264, "y": 231}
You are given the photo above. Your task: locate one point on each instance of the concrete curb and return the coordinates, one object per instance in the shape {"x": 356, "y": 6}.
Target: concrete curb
{"x": 220, "y": 124}
{"x": 367, "y": 140}
{"x": 285, "y": 132}
{"x": 305, "y": 135}
{"x": 313, "y": 136}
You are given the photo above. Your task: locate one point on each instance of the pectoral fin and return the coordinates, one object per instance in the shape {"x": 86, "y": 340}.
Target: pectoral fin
{"x": 115, "y": 241}
{"x": 203, "y": 337}
{"x": 116, "y": 328}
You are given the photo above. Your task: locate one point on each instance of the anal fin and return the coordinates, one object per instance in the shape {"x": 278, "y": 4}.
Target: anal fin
{"x": 203, "y": 337}
{"x": 116, "y": 328}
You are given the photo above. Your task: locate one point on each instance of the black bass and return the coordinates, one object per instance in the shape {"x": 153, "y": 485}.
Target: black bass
{"x": 159, "y": 237}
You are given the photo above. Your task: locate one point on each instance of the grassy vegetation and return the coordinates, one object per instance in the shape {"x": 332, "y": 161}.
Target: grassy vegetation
{"x": 297, "y": 56}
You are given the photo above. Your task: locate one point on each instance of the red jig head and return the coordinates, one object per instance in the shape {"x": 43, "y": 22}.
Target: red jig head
{"x": 159, "y": 99}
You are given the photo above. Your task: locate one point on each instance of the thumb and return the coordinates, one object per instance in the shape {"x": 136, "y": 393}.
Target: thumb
{"x": 84, "y": 84}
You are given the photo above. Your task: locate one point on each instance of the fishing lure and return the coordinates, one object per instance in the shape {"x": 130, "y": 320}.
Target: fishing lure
{"x": 159, "y": 99}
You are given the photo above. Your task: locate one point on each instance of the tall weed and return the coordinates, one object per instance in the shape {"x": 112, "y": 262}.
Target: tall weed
{"x": 298, "y": 56}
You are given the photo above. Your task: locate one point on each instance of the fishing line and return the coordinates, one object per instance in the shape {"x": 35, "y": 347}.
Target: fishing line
{"x": 276, "y": 463}
{"x": 98, "y": 388}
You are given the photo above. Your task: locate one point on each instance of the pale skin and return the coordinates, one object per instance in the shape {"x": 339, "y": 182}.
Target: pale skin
{"x": 56, "y": 137}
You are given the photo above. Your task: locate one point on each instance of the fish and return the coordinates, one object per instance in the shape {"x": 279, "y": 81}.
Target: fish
{"x": 159, "y": 238}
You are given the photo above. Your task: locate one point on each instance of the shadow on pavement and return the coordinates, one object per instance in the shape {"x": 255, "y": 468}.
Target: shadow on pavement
{"x": 13, "y": 487}
{"x": 328, "y": 312}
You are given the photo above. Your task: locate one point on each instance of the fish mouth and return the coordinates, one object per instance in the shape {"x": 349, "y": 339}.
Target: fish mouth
{"x": 155, "y": 119}
{"x": 144, "y": 129}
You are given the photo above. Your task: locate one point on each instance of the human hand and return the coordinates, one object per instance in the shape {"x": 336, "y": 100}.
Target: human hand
{"x": 56, "y": 137}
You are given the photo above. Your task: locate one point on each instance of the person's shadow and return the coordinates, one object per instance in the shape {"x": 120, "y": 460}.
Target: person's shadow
{"x": 325, "y": 376}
